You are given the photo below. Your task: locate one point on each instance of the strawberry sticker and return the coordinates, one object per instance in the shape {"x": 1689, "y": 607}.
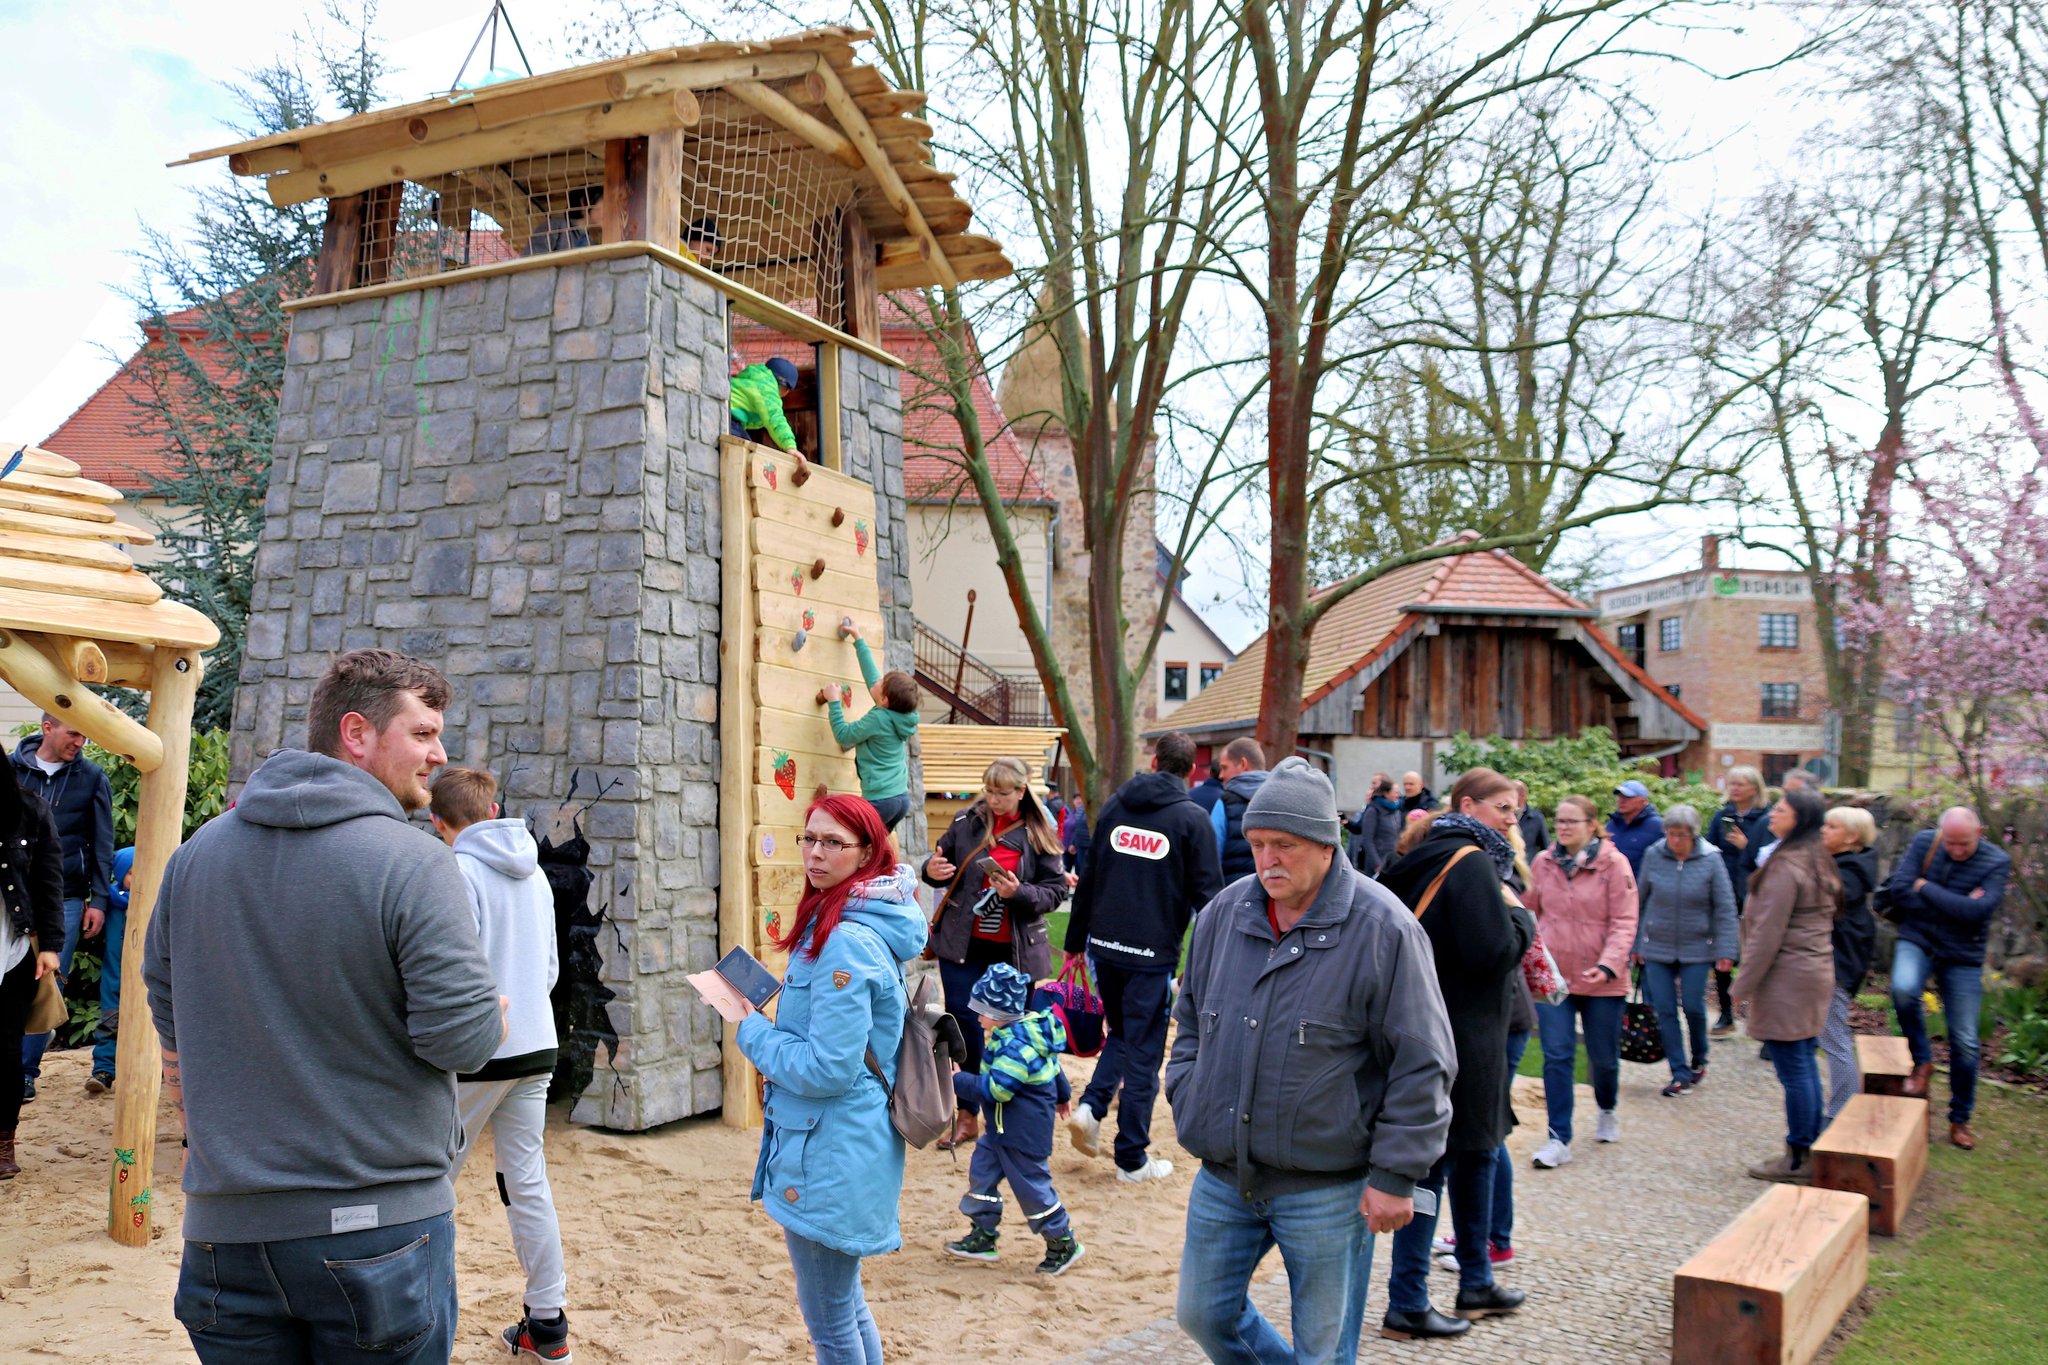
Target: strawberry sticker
{"x": 796, "y": 581}
{"x": 845, "y": 693}
{"x": 768, "y": 472}
{"x": 860, "y": 537}
{"x": 775, "y": 923}
{"x": 810, "y": 619}
{"x": 785, "y": 774}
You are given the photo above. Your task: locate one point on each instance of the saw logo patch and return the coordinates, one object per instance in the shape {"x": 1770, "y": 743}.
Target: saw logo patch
{"x": 1140, "y": 843}
{"x": 839, "y": 980}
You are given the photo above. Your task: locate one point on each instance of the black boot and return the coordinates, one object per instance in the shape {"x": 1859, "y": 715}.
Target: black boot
{"x": 1421, "y": 1326}
{"x": 1491, "y": 1301}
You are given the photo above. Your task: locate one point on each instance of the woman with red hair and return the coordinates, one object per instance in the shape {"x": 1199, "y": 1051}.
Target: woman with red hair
{"x": 831, "y": 1164}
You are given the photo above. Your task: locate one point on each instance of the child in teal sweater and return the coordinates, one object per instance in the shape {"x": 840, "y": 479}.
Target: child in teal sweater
{"x": 880, "y": 738}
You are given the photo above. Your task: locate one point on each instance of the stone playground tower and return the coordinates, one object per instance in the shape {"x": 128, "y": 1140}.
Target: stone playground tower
{"x": 502, "y": 447}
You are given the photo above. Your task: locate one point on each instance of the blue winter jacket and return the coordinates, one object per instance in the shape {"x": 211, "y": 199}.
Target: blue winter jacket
{"x": 831, "y": 1164}
{"x": 1632, "y": 838}
{"x": 82, "y": 803}
{"x": 1020, "y": 1083}
{"x": 1942, "y": 917}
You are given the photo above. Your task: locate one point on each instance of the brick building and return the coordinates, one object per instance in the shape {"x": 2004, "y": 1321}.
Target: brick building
{"x": 1739, "y": 646}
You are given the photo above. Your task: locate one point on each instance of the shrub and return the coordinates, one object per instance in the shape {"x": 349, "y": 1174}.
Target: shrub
{"x": 1587, "y": 764}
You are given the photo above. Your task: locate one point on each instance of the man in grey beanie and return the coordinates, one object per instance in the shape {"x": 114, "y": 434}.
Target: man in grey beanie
{"x": 1307, "y": 985}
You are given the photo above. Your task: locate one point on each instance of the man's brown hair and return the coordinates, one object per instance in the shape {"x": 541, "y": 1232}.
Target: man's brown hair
{"x": 463, "y": 796}
{"x": 1174, "y": 754}
{"x": 371, "y": 683}
{"x": 1244, "y": 749}
{"x": 899, "y": 690}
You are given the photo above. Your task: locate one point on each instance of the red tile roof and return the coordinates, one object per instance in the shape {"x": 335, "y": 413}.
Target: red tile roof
{"x": 112, "y": 435}
{"x": 1371, "y": 621}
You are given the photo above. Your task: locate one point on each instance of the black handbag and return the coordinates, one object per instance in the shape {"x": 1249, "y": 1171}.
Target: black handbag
{"x": 1641, "y": 1039}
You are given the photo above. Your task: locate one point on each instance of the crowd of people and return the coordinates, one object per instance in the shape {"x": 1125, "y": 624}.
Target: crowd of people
{"x": 1344, "y": 1023}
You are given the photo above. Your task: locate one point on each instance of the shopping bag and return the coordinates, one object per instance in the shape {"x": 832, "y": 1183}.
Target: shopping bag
{"x": 1072, "y": 997}
{"x": 1641, "y": 1039}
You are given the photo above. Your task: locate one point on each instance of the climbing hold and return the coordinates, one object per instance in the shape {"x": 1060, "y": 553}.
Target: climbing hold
{"x": 845, "y": 626}
{"x": 838, "y": 516}
{"x": 818, "y": 568}
{"x": 802, "y": 474}
{"x": 799, "y": 640}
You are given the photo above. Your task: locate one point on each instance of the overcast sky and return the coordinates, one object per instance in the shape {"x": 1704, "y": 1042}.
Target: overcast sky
{"x": 103, "y": 94}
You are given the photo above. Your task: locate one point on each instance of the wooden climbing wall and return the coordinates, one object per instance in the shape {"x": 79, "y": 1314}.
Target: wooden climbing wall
{"x": 798, "y": 558}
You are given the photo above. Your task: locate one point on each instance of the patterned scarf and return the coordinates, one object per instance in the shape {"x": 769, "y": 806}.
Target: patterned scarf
{"x": 1582, "y": 861}
{"x": 1491, "y": 841}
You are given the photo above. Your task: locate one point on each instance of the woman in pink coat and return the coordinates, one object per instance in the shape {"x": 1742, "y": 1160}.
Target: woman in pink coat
{"x": 1584, "y": 898}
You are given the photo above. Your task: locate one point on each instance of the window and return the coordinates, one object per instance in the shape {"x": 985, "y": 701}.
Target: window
{"x": 1781, "y": 701}
{"x": 1176, "y": 682}
{"x": 1210, "y": 673}
{"x": 1778, "y": 630}
{"x": 1670, "y": 634}
{"x": 1630, "y": 638}
{"x": 1775, "y": 767}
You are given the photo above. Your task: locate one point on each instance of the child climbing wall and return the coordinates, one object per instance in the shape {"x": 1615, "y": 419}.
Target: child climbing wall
{"x": 799, "y": 559}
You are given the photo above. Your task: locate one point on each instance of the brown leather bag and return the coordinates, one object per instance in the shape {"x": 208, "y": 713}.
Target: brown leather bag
{"x": 1436, "y": 883}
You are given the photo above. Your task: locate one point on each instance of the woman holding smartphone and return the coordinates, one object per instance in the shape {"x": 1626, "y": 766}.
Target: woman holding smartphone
{"x": 1000, "y": 868}
{"x": 831, "y": 1164}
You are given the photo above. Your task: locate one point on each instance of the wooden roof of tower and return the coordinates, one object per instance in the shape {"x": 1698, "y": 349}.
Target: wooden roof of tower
{"x": 806, "y": 88}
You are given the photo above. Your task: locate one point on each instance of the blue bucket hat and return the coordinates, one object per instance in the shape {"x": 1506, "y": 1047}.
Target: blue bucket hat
{"x": 1002, "y": 994}
{"x": 784, "y": 372}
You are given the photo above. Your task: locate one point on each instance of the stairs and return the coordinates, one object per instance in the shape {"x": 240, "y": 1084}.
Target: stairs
{"x": 972, "y": 689}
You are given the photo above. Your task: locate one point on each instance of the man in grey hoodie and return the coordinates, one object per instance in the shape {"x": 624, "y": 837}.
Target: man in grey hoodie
{"x": 1311, "y": 1073}
{"x": 316, "y": 982}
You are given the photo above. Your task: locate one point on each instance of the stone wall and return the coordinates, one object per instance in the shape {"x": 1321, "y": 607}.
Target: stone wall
{"x": 516, "y": 478}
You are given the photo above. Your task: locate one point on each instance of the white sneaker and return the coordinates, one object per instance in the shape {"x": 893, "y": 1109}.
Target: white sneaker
{"x": 1446, "y": 1243}
{"x": 1086, "y": 1130}
{"x": 1609, "y": 1127}
{"x": 1553, "y": 1154}
{"x": 1157, "y": 1168}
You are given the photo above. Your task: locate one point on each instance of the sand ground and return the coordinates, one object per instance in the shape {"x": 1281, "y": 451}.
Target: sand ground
{"x": 666, "y": 1259}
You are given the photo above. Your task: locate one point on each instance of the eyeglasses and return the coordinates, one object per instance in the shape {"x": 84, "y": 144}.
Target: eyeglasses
{"x": 1562, "y": 822}
{"x": 828, "y": 845}
{"x": 995, "y": 791}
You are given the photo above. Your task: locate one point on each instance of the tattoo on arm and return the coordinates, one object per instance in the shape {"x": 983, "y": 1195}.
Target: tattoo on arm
{"x": 174, "y": 1082}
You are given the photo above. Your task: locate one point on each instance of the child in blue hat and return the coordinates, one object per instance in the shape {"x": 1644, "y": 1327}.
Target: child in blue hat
{"x": 1019, "y": 1091}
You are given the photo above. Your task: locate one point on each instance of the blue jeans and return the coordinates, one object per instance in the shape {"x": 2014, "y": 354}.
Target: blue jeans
{"x": 1470, "y": 1176}
{"x": 105, "y": 1038}
{"x": 1799, "y": 1072}
{"x": 1502, "y": 1234}
{"x": 1322, "y": 1239}
{"x": 835, "y": 1310}
{"x": 34, "y": 1045}
{"x": 1135, "y": 1007}
{"x": 892, "y": 809}
{"x": 386, "y": 1294}
{"x": 1672, "y": 986}
{"x": 1558, "y": 1027}
{"x": 1961, "y": 988}
{"x": 957, "y": 980}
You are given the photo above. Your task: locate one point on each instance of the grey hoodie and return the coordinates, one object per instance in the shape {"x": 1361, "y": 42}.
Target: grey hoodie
{"x": 313, "y": 961}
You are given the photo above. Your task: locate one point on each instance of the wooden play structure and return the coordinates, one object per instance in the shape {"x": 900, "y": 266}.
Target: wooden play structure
{"x": 74, "y": 610}
{"x": 956, "y": 757}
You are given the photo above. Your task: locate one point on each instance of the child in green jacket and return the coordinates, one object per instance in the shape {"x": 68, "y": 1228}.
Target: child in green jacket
{"x": 880, "y": 738}
{"x": 757, "y": 394}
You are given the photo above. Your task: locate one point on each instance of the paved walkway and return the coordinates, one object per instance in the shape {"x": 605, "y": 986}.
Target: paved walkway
{"x": 1595, "y": 1242}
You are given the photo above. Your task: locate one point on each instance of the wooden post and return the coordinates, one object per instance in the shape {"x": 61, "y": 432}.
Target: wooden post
{"x": 341, "y": 241}
{"x": 159, "y": 828}
{"x": 663, "y": 214}
{"x": 861, "y": 307}
{"x": 643, "y": 190}
{"x": 831, "y": 419}
{"x": 736, "y": 706}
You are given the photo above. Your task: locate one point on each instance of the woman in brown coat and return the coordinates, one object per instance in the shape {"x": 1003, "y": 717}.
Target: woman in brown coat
{"x": 1788, "y": 968}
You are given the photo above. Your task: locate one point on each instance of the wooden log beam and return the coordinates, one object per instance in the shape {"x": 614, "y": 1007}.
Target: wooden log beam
{"x": 29, "y": 665}
{"x": 341, "y": 241}
{"x": 817, "y": 132}
{"x": 82, "y": 659}
{"x": 138, "y": 1066}
{"x": 534, "y": 137}
{"x": 855, "y": 124}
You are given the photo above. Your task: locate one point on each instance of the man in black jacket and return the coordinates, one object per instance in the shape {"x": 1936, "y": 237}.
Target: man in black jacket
{"x": 1153, "y": 866}
{"x": 52, "y": 767}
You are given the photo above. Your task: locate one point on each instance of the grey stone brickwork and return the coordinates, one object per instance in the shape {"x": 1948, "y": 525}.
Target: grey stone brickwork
{"x": 517, "y": 479}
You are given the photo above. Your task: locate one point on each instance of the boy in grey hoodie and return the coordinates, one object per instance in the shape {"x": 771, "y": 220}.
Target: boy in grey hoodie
{"x": 515, "y": 919}
{"x": 316, "y": 982}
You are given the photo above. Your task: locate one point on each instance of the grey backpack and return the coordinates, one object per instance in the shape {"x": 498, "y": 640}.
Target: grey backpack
{"x": 921, "y": 1102}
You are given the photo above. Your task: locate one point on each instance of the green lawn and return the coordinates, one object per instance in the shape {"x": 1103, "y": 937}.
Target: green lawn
{"x": 1532, "y": 1062}
{"x": 1056, "y": 925}
{"x": 1967, "y": 1283}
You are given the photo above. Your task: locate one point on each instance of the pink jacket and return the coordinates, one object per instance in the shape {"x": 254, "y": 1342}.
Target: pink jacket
{"x": 1587, "y": 918}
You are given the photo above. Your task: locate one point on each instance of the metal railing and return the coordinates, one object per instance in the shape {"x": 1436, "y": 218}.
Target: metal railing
{"x": 973, "y": 689}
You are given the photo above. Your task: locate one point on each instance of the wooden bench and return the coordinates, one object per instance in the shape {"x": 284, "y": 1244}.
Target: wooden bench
{"x": 1772, "y": 1286}
{"x": 1884, "y": 1063}
{"x": 1876, "y": 1147}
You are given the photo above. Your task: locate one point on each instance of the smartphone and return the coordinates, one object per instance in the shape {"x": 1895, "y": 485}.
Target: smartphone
{"x": 987, "y": 866}
{"x": 745, "y": 974}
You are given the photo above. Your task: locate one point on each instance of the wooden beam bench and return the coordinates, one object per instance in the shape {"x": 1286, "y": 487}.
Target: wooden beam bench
{"x": 1876, "y": 1147}
{"x": 1884, "y": 1064}
{"x": 1770, "y": 1289}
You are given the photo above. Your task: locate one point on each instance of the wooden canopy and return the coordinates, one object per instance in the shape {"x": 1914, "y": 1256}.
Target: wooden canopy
{"x": 804, "y": 94}
{"x": 75, "y": 611}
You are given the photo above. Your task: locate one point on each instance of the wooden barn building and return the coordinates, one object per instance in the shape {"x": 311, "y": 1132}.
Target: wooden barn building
{"x": 1478, "y": 643}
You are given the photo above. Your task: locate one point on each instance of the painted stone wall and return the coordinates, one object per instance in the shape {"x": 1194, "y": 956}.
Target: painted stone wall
{"x": 516, "y": 478}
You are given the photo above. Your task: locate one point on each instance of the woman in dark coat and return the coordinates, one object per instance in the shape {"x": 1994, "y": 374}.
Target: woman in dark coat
{"x": 31, "y": 915}
{"x": 1740, "y": 829}
{"x": 983, "y": 920}
{"x": 1478, "y": 937}
{"x": 1848, "y": 832}
{"x": 1375, "y": 828}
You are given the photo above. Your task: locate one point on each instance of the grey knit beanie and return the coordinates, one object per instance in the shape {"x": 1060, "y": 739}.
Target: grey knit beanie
{"x": 1296, "y": 799}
